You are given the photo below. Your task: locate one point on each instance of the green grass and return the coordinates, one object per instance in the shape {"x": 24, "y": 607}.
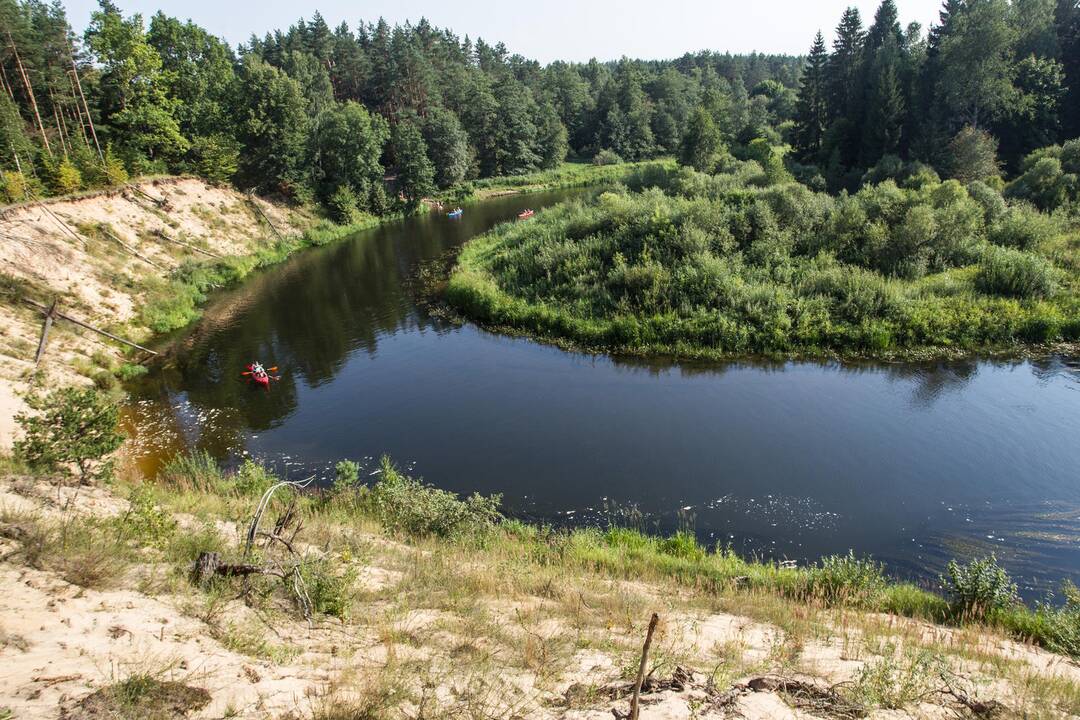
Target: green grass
{"x": 720, "y": 266}
{"x": 567, "y": 175}
{"x": 412, "y": 511}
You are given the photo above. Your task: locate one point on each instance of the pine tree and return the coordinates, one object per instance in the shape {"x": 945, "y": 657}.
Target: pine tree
{"x": 811, "y": 113}
{"x": 843, "y": 67}
{"x": 701, "y": 142}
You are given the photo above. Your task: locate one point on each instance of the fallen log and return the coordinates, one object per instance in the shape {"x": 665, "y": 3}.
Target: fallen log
{"x": 132, "y": 250}
{"x": 88, "y": 326}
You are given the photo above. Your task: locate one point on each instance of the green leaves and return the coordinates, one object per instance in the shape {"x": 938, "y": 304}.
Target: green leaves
{"x": 72, "y": 426}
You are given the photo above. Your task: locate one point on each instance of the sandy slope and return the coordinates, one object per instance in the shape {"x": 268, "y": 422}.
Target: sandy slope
{"x": 91, "y": 274}
{"x": 497, "y": 655}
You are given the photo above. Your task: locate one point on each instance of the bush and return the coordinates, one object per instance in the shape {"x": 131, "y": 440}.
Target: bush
{"x": 253, "y": 478}
{"x": 1022, "y": 227}
{"x": 65, "y": 178}
{"x": 1014, "y": 273}
{"x": 979, "y": 588}
{"x": 130, "y": 371}
{"x": 346, "y": 476}
{"x": 1060, "y": 626}
{"x": 405, "y": 505}
{"x": 607, "y": 157}
{"x": 144, "y": 521}
{"x": 71, "y": 426}
{"x": 684, "y": 545}
{"x": 847, "y": 579}
{"x": 13, "y": 186}
{"x": 216, "y": 157}
{"x": 331, "y": 592}
{"x": 342, "y": 205}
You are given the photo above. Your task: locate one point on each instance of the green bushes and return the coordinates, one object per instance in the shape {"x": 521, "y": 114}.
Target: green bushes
{"x": 69, "y": 427}
{"x": 979, "y": 588}
{"x": 607, "y": 157}
{"x": 408, "y": 506}
{"x": 710, "y": 266}
{"x": 1012, "y": 273}
{"x": 847, "y": 579}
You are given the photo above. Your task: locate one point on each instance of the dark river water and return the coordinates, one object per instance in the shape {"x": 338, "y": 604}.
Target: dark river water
{"x": 912, "y": 463}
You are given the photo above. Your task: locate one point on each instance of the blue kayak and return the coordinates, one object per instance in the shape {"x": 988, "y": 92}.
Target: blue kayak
{"x": 455, "y": 213}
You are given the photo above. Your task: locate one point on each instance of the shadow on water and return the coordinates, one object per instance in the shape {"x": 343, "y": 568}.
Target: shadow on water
{"x": 910, "y": 462}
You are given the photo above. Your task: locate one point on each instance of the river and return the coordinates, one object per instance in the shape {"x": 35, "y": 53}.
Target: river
{"x": 913, "y": 463}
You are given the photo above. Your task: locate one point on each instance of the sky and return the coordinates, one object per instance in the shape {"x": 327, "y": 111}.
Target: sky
{"x": 551, "y": 29}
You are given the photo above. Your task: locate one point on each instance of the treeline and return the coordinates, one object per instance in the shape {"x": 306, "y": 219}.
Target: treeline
{"x": 369, "y": 119}
{"x": 992, "y": 81}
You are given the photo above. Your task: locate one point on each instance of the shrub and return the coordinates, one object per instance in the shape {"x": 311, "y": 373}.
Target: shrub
{"x": 144, "y": 521}
{"x": 115, "y": 172}
{"x": 1060, "y": 626}
{"x": 342, "y": 205}
{"x": 683, "y": 544}
{"x": 13, "y": 186}
{"x": 607, "y": 157}
{"x": 71, "y": 426}
{"x": 216, "y": 157}
{"x": 330, "y": 592}
{"x": 130, "y": 371}
{"x": 848, "y": 579}
{"x": 979, "y": 588}
{"x": 253, "y": 478}
{"x": 1014, "y": 273}
{"x": 65, "y": 178}
{"x": 1022, "y": 227}
{"x": 346, "y": 476}
{"x": 405, "y": 505}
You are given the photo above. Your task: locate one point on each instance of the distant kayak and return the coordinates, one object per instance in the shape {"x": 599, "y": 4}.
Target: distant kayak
{"x": 455, "y": 213}
{"x": 527, "y": 214}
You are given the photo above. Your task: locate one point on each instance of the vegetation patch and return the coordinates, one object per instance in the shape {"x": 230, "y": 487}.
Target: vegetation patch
{"x": 140, "y": 697}
{"x": 734, "y": 264}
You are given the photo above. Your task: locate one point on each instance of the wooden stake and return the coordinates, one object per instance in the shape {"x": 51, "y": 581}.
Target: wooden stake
{"x": 29, "y": 92}
{"x": 49, "y": 315}
{"x": 88, "y": 326}
{"x": 641, "y": 668}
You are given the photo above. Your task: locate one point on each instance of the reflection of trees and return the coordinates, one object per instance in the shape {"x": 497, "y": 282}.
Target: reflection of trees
{"x": 931, "y": 381}
{"x": 308, "y": 315}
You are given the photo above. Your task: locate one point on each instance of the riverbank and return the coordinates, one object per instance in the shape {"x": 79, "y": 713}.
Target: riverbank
{"x": 140, "y": 260}
{"x": 421, "y": 604}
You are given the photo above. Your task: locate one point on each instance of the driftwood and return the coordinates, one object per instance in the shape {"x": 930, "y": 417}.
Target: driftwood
{"x": 255, "y": 204}
{"x": 132, "y": 250}
{"x": 286, "y": 527}
{"x": 160, "y": 202}
{"x": 159, "y": 234}
{"x": 636, "y": 696}
{"x": 88, "y": 326}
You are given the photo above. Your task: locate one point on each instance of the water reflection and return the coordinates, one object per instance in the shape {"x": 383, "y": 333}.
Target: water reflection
{"x": 909, "y": 462}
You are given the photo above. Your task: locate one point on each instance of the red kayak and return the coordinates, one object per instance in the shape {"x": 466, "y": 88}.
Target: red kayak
{"x": 258, "y": 375}
{"x": 526, "y": 214}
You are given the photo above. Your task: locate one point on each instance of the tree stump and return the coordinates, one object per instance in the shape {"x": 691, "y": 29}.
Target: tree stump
{"x": 206, "y": 567}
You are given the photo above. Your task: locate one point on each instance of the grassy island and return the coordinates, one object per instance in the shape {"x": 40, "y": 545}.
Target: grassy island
{"x": 696, "y": 265}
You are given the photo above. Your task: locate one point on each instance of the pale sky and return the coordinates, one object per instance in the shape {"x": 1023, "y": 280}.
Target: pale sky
{"x": 552, "y": 29}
